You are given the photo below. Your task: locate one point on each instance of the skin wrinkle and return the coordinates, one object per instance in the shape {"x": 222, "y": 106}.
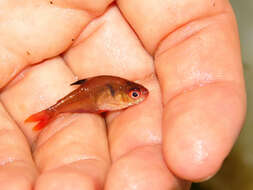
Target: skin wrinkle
{"x": 65, "y": 124}
{"x": 77, "y": 42}
{"x": 195, "y": 87}
{"x": 69, "y": 161}
{"x": 15, "y": 73}
{"x": 9, "y": 83}
{"x": 22, "y": 73}
{"x": 8, "y": 113}
{"x": 136, "y": 34}
{"x": 136, "y": 149}
{"x": 10, "y": 130}
{"x": 12, "y": 159}
{"x": 16, "y": 53}
{"x": 69, "y": 119}
{"x": 90, "y": 12}
{"x": 181, "y": 28}
{"x": 172, "y": 19}
{"x": 19, "y": 77}
{"x": 158, "y": 52}
{"x": 73, "y": 162}
{"x": 110, "y": 21}
{"x": 117, "y": 52}
{"x": 68, "y": 5}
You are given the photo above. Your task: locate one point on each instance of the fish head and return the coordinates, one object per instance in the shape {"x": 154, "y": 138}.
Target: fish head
{"x": 120, "y": 96}
{"x": 119, "y": 93}
{"x": 134, "y": 93}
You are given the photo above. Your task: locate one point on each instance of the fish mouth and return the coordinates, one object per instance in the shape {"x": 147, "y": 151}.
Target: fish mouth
{"x": 145, "y": 91}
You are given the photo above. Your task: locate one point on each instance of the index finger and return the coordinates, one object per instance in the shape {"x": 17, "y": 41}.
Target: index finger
{"x": 197, "y": 58}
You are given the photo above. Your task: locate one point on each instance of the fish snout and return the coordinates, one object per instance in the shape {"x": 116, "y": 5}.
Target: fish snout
{"x": 145, "y": 92}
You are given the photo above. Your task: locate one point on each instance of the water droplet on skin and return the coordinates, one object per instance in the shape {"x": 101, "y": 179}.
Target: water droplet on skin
{"x": 201, "y": 153}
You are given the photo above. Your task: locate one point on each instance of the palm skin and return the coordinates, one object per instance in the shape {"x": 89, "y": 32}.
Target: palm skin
{"x": 186, "y": 53}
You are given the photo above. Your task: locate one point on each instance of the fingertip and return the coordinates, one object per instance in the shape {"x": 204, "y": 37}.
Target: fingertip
{"x": 192, "y": 161}
{"x": 200, "y": 130}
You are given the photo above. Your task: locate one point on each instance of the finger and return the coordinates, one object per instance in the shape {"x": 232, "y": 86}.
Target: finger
{"x": 198, "y": 65}
{"x": 109, "y": 46}
{"x": 72, "y": 145}
{"x": 154, "y": 20}
{"x": 29, "y": 33}
{"x": 210, "y": 115}
{"x": 16, "y": 163}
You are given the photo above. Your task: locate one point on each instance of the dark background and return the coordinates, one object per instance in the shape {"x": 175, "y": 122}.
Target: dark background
{"x": 237, "y": 171}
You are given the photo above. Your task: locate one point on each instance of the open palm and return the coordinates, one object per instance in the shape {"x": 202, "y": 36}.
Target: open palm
{"x": 186, "y": 52}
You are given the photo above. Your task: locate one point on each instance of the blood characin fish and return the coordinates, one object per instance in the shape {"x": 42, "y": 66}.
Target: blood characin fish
{"x": 94, "y": 95}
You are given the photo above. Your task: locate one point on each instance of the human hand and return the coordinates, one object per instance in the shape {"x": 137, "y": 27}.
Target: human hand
{"x": 197, "y": 61}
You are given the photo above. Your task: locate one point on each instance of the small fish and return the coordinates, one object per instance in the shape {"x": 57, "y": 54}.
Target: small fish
{"x": 94, "y": 95}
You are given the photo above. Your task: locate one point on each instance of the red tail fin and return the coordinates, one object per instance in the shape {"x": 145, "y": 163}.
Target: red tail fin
{"x": 43, "y": 117}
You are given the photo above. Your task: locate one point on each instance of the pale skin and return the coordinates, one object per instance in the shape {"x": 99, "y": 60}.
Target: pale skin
{"x": 186, "y": 52}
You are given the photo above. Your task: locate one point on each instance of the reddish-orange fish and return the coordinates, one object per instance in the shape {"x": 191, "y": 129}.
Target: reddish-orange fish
{"x": 94, "y": 95}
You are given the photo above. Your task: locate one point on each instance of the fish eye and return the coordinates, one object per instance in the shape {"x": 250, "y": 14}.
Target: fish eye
{"x": 134, "y": 94}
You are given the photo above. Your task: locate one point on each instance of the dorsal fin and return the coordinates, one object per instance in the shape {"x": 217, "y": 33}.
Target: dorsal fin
{"x": 79, "y": 82}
